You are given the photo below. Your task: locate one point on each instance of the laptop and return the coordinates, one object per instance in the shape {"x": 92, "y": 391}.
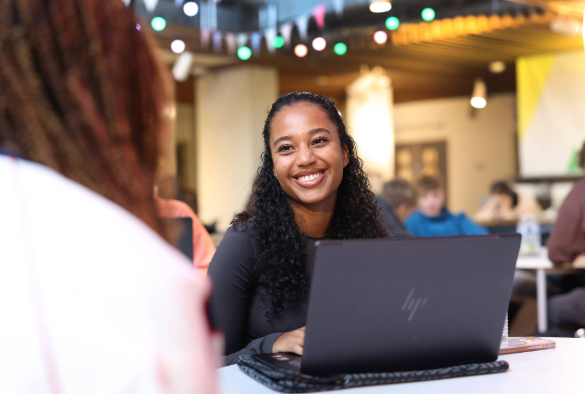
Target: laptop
{"x": 405, "y": 304}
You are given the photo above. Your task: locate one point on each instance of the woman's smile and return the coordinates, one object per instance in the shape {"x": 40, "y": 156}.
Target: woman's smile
{"x": 309, "y": 178}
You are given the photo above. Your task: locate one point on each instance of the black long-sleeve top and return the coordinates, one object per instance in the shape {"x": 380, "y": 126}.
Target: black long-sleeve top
{"x": 236, "y": 306}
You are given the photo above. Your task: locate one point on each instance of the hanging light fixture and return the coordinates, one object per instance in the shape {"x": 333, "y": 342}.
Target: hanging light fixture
{"x": 479, "y": 96}
{"x": 378, "y": 6}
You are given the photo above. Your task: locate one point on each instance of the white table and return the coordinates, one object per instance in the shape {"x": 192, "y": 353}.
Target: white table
{"x": 560, "y": 370}
{"x": 540, "y": 263}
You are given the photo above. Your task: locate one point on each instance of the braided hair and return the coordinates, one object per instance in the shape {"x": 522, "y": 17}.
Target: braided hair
{"x": 281, "y": 248}
{"x": 81, "y": 93}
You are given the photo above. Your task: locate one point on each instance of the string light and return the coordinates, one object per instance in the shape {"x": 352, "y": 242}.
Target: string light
{"x": 428, "y": 14}
{"x": 380, "y": 37}
{"x": 392, "y": 23}
{"x": 158, "y": 23}
{"x": 278, "y": 42}
{"x": 340, "y": 48}
{"x": 191, "y": 8}
{"x": 244, "y": 53}
{"x": 301, "y": 50}
{"x": 319, "y": 44}
{"x": 178, "y": 46}
{"x": 378, "y": 6}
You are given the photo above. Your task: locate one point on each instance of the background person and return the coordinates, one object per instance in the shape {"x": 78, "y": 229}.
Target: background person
{"x": 506, "y": 204}
{"x": 397, "y": 202}
{"x": 565, "y": 244}
{"x": 310, "y": 186}
{"x": 92, "y": 298}
{"x": 433, "y": 219}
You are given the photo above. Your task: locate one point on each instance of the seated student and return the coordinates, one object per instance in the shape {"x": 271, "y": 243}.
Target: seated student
{"x": 397, "y": 202}
{"x": 310, "y": 186}
{"x": 432, "y": 219}
{"x": 566, "y": 243}
{"x": 505, "y": 204}
{"x": 92, "y": 297}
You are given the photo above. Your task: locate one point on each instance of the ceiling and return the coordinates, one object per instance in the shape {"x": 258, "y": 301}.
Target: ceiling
{"x": 442, "y": 65}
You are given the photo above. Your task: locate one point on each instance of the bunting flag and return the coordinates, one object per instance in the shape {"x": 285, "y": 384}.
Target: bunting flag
{"x": 319, "y": 15}
{"x": 286, "y": 33}
{"x": 242, "y": 39}
{"x": 217, "y": 41}
{"x": 150, "y": 5}
{"x": 338, "y": 6}
{"x": 256, "y": 39}
{"x": 303, "y": 25}
{"x": 270, "y": 34}
{"x": 205, "y": 36}
{"x": 230, "y": 39}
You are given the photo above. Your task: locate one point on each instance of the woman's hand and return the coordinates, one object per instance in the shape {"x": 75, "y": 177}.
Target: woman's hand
{"x": 290, "y": 342}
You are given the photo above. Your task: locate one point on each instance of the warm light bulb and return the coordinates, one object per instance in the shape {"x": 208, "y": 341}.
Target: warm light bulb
{"x": 178, "y": 46}
{"x": 478, "y": 102}
{"x": 191, "y": 8}
{"x": 479, "y": 95}
{"x": 301, "y": 50}
{"x": 380, "y": 37}
{"x": 378, "y": 6}
{"x": 497, "y": 67}
{"x": 319, "y": 44}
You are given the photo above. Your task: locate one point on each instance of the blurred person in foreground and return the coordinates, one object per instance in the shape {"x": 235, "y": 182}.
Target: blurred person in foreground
{"x": 567, "y": 243}
{"x": 433, "y": 219}
{"x": 92, "y": 297}
{"x": 506, "y": 204}
{"x": 397, "y": 202}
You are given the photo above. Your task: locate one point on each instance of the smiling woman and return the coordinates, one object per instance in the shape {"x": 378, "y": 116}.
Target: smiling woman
{"x": 310, "y": 186}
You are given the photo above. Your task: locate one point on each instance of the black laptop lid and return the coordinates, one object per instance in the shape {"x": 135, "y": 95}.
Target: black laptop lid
{"x": 397, "y": 305}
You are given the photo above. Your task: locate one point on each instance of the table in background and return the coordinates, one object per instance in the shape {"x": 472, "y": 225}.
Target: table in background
{"x": 540, "y": 263}
{"x": 559, "y": 370}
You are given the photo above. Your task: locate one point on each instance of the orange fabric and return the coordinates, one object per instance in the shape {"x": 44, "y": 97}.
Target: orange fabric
{"x": 203, "y": 248}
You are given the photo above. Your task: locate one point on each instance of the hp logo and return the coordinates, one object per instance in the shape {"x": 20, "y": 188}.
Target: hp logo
{"x": 413, "y": 304}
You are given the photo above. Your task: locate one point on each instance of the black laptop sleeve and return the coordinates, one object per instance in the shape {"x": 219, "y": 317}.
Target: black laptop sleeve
{"x": 286, "y": 381}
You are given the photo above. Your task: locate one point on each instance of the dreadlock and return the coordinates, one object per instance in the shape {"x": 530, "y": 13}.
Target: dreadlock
{"x": 81, "y": 92}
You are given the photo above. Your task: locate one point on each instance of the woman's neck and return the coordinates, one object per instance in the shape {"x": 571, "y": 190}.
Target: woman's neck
{"x": 314, "y": 220}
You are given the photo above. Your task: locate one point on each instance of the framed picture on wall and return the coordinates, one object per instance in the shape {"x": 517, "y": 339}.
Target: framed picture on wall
{"x": 415, "y": 160}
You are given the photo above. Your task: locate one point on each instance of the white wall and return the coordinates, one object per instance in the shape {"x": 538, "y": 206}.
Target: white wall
{"x": 231, "y": 106}
{"x": 480, "y": 149}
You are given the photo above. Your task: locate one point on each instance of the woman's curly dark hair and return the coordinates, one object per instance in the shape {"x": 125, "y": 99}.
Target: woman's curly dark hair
{"x": 281, "y": 248}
